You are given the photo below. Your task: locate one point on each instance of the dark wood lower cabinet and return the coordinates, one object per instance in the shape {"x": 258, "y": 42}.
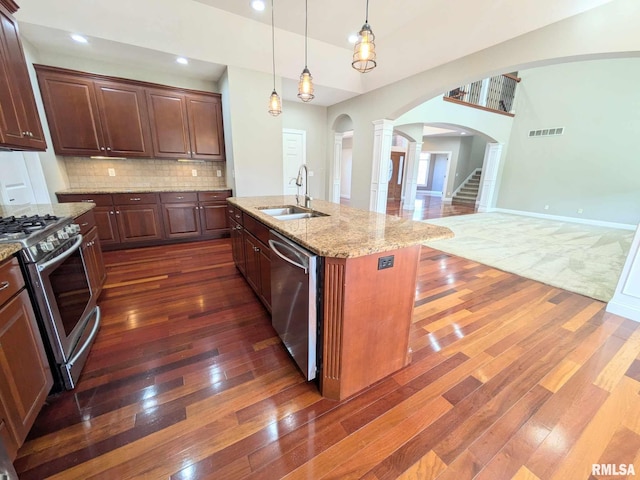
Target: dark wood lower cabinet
{"x": 25, "y": 375}
{"x": 250, "y": 252}
{"x": 131, "y": 219}
{"x": 92, "y": 253}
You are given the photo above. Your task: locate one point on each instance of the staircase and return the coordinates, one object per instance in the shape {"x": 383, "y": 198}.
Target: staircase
{"x": 468, "y": 193}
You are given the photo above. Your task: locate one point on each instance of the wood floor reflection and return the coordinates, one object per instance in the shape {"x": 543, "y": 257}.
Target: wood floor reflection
{"x": 187, "y": 379}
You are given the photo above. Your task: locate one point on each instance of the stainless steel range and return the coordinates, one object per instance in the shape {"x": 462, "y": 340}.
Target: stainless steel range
{"x": 56, "y": 274}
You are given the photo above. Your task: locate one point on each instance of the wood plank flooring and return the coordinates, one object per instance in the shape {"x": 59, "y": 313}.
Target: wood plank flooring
{"x": 510, "y": 379}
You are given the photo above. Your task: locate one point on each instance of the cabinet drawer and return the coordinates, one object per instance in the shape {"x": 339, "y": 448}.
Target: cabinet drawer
{"x": 258, "y": 229}
{"x": 178, "y": 197}
{"x": 86, "y": 221}
{"x": 100, "y": 199}
{"x": 11, "y": 280}
{"x": 214, "y": 196}
{"x": 134, "y": 198}
{"x": 235, "y": 214}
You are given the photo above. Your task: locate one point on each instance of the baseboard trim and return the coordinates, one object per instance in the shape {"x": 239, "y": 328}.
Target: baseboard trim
{"x": 583, "y": 221}
{"x": 631, "y": 312}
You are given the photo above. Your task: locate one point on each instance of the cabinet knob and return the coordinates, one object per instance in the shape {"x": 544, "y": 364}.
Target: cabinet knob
{"x": 31, "y": 134}
{"x": 111, "y": 212}
{"x": 118, "y": 212}
{"x": 84, "y": 224}
{"x": 180, "y": 198}
{"x": 88, "y": 201}
{"x": 108, "y": 149}
{"x": 135, "y": 199}
{"x": 237, "y": 216}
{"x": 4, "y": 286}
{"x": 102, "y": 148}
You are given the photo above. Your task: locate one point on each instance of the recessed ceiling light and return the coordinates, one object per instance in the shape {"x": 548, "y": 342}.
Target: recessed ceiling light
{"x": 463, "y": 133}
{"x": 79, "y": 38}
{"x": 258, "y": 5}
{"x": 182, "y": 60}
{"x": 353, "y": 38}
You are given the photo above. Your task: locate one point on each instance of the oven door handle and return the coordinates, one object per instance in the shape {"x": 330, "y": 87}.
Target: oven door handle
{"x": 92, "y": 335}
{"x": 63, "y": 256}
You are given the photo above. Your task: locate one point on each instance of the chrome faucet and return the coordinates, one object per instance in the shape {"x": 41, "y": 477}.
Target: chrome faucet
{"x": 307, "y": 198}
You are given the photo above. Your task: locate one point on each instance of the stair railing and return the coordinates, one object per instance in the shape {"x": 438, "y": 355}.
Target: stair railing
{"x": 494, "y": 94}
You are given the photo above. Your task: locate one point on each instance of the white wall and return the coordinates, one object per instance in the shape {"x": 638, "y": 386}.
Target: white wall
{"x": 444, "y": 144}
{"x": 51, "y": 166}
{"x": 101, "y": 67}
{"x": 256, "y": 135}
{"x": 347, "y": 159}
{"x": 312, "y": 119}
{"x": 594, "y": 165}
{"x": 567, "y": 40}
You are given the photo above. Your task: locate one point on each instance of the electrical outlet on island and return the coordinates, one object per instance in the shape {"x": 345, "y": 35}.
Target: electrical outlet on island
{"x": 194, "y": 172}
{"x": 112, "y": 172}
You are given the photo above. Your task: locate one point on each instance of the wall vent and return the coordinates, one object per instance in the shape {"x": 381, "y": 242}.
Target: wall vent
{"x": 546, "y": 132}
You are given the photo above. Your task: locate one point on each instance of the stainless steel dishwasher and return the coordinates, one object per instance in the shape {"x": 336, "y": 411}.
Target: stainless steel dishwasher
{"x": 293, "y": 300}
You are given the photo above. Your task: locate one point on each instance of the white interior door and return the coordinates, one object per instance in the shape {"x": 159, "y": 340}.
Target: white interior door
{"x": 15, "y": 184}
{"x": 294, "y": 148}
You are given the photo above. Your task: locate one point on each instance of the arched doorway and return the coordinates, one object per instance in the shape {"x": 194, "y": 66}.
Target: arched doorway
{"x": 341, "y": 168}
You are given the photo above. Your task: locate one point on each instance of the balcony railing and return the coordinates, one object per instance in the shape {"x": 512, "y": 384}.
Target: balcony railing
{"x": 493, "y": 94}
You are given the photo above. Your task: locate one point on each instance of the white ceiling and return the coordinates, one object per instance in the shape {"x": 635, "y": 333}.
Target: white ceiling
{"x": 411, "y": 35}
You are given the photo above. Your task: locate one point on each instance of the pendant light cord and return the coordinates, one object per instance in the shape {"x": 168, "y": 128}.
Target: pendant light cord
{"x": 273, "y": 47}
{"x": 366, "y": 19}
{"x": 306, "y": 11}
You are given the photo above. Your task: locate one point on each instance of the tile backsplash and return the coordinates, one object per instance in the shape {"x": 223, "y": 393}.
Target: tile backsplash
{"x": 87, "y": 172}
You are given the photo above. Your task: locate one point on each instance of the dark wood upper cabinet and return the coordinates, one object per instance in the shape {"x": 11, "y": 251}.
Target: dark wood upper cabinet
{"x": 90, "y": 117}
{"x": 169, "y": 124}
{"x": 123, "y": 115}
{"x": 72, "y": 112}
{"x": 20, "y": 126}
{"x": 205, "y": 127}
{"x": 93, "y": 115}
{"x": 186, "y": 125}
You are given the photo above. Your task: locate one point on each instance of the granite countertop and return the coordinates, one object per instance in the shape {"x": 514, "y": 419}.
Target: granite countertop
{"x": 74, "y": 209}
{"x": 346, "y": 231}
{"x": 8, "y": 249}
{"x": 90, "y": 190}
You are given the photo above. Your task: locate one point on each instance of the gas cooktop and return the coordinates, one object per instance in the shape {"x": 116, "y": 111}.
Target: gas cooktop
{"x": 19, "y": 228}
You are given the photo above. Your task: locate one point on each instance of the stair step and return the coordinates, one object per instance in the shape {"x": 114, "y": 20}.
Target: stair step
{"x": 469, "y": 189}
{"x": 465, "y": 196}
{"x": 457, "y": 201}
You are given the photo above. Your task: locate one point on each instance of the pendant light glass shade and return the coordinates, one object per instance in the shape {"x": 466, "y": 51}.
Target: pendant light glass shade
{"x": 364, "y": 53}
{"x": 275, "y": 104}
{"x": 305, "y": 85}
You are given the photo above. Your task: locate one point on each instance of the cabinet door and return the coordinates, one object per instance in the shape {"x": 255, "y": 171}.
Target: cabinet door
{"x": 169, "y": 125}
{"x": 214, "y": 217}
{"x": 25, "y": 378}
{"x": 237, "y": 245}
{"x": 205, "y": 127}
{"x": 265, "y": 275}
{"x": 92, "y": 255}
{"x": 252, "y": 261}
{"x": 124, "y": 119}
{"x": 181, "y": 220}
{"x": 72, "y": 112}
{"x": 107, "y": 225}
{"x": 20, "y": 123}
{"x": 139, "y": 223}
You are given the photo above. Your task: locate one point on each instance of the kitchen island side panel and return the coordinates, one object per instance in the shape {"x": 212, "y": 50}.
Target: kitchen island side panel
{"x": 367, "y": 320}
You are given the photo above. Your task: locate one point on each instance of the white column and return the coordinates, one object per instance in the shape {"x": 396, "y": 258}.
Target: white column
{"x": 484, "y": 92}
{"x": 626, "y": 299}
{"x": 383, "y": 132}
{"x": 490, "y": 167}
{"x": 337, "y": 167}
{"x": 411, "y": 180}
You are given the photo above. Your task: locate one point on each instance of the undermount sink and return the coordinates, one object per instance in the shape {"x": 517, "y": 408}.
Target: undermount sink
{"x": 291, "y": 212}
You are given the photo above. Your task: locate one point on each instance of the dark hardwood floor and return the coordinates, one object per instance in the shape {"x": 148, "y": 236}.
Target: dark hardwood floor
{"x": 187, "y": 379}
{"x": 427, "y": 206}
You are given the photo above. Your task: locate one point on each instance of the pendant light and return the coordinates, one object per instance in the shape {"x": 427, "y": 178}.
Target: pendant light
{"x": 305, "y": 86}
{"x": 275, "y": 104}
{"x": 364, "y": 54}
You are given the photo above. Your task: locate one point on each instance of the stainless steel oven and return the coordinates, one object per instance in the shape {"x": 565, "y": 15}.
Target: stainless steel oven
{"x": 70, "y": 315}
{"x": 57, "y": 278}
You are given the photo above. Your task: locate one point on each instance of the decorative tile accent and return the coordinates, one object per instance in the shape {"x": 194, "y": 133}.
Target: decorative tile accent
{"x": 132, "y": 173}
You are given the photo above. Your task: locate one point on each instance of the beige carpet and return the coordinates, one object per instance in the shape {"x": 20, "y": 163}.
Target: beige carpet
{"x": 583, "y": 259}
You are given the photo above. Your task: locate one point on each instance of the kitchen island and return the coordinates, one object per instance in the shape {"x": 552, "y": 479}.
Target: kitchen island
{"x": 366, "y": 283}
